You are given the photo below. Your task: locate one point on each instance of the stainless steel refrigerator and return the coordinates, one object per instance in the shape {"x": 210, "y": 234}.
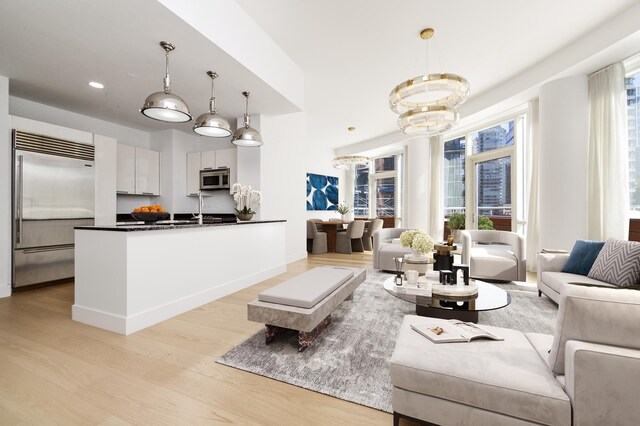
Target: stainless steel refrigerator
{"x": 54, "y": 191}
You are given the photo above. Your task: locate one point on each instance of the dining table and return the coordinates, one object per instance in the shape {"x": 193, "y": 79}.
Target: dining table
{"x": 331, "y": 228}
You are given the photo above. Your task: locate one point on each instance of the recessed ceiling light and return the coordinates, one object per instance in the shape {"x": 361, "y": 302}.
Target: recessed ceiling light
{"x": 96, "y": 85}
{"x": 351, "y": 129}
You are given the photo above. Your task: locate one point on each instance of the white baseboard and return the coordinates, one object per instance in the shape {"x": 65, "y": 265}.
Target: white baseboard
{"x": 5, "y": 291}
{"x": 131, "y": 324}
{"x": 296, "y": 256}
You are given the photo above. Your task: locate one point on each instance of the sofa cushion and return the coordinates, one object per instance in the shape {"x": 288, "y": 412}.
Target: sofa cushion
{"x": 618, "y": 263}
{"x": 495, "y": 261}
{"x": 582, "y": 256}
{"x": 556, "y": 280}
{"x": 307, "y": 289}
{"x": 501, "y": 376}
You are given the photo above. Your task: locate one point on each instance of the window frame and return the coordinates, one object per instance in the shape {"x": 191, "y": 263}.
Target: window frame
{"x": 518, "y": 165}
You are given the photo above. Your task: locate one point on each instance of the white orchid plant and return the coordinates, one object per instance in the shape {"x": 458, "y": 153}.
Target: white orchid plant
{"x": 244, "y": 197}
{"x": 418, "y": 240}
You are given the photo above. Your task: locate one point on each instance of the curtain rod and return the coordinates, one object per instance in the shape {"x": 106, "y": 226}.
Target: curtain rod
{"x": 634, "y": 57}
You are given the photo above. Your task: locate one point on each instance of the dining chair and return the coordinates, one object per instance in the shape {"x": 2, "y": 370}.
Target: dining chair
{"x": 351, "y": 240}
{"x": 316, "y": 241}
{"x": 374, "y": 226}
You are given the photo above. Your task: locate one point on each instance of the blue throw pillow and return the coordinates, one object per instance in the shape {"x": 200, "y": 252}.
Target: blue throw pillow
{"x": 582, "y": 256}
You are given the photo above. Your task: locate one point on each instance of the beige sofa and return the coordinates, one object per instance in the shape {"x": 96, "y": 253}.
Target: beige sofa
{"x": 551, "y": 279}
{"x": 585, "y": 374}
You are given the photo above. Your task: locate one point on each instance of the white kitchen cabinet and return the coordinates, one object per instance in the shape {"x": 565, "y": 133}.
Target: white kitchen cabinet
{"x": 208, "y": 160}
{"x": 125, "y": 169}
{"x": 228, "y": 158}
{"x": 147, "y": 172}
{"x": 193, "y": 172}
{"x": 137, "y": 171}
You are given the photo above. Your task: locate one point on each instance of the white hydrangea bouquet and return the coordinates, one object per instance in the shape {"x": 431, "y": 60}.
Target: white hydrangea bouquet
{"x": 244, "y": 197}
{"x": 418, "y": 240}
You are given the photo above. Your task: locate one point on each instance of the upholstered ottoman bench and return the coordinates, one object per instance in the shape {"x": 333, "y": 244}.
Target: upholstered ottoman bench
{"x": 304, "y": 303}
{"x": 483, "y": 382}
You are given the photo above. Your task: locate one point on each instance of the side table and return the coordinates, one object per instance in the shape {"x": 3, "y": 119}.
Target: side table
{"x": 443, "y": 257}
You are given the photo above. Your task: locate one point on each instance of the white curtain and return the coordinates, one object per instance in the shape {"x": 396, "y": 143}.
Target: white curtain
{"x": 531, "y": 158}
{"x": 608, "y": 184}
{"x": 436, "y": 190}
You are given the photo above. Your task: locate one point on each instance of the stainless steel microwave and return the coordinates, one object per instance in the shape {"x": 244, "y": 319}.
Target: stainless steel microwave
{"x": 214, "y": 179}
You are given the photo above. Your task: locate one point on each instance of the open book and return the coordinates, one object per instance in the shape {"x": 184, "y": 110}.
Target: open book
{"x": 440, "y": 331}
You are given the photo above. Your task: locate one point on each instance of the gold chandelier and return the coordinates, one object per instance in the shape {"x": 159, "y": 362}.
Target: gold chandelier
{"x": 427, "y": 104}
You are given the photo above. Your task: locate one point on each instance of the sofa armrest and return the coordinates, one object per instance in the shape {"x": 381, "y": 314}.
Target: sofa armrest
{"x": 378, "y": 240}
{"x": 553, "y": 262}
{"x": 602, "y": 383}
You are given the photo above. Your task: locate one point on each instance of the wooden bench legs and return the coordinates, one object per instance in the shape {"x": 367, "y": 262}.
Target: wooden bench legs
{"x": 305, "y": 338}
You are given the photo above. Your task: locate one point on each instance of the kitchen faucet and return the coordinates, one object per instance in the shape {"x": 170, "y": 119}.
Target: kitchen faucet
{"x": 199, "y": 217}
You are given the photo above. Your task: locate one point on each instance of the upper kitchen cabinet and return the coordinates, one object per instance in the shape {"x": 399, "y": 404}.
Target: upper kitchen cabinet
{"x": 194, "y": 165}
{"x": 147, "y": 172}
{"x": 126, "y": 170}
{"x": 209, "y": 160}
{"x": 228, "y": 158}
{"x": 138, "y": 171}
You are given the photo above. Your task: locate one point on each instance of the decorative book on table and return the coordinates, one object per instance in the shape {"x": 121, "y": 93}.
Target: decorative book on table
{"x": 453, "y": 331}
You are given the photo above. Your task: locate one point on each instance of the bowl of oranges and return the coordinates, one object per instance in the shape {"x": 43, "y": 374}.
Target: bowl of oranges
{"x": 150, "y": 214}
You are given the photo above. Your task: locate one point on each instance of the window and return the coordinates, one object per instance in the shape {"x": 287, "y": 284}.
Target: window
{"x": 633, "y": 111}
{"x": 479, "y": 179}
{"x": 361, "y": 193}
{"x": 377, "y": 188}
{"x": 454, "y": 155}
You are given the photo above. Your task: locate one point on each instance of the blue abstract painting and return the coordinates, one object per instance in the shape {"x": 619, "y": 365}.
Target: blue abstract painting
{"x": 322, "y": 192}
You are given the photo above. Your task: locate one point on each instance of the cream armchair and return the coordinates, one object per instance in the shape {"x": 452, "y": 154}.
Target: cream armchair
{"x": 494, "y": 255}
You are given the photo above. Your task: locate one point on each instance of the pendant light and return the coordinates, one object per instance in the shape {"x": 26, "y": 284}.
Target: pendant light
{"x": 427, "y": 103}
{"x": 349, "y": 162}
{"x": 165, "y": 106}
{"x": 211, "y": 123}
{"x": 247, "y": 135}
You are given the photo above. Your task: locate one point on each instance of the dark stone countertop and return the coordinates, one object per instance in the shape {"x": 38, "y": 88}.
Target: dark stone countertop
{"x": 155, "y": 227}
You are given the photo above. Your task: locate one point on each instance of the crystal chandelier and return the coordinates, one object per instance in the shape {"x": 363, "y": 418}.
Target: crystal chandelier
{"x": 427, "y": 103}
{"x": 349, "y": 161}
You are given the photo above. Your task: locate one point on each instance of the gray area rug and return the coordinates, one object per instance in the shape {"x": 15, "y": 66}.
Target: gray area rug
{"x": 350, "y": 360}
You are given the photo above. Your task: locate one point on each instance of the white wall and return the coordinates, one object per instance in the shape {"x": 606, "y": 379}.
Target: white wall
{"x": 5, "y": 190}
{"x": 563, "y": 158}
{"x": 284, "y": 157}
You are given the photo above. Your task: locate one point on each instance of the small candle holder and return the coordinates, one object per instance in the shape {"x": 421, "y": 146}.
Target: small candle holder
{"x": 399, "y": 261}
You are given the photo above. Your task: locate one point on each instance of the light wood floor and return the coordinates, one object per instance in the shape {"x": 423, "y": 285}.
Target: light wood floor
{"x": 55, "y": 370}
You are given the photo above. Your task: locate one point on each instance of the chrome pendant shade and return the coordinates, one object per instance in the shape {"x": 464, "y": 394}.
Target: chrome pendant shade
{"x": 247, "y": 135}
{"x": 165, "y": 106}
{"x": 427, "y": 104}
{"x": 211, "y": 123}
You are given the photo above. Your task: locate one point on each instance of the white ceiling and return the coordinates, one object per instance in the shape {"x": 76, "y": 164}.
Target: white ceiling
{"x": 52, "y": 49}
{"x": 352, "y": 54}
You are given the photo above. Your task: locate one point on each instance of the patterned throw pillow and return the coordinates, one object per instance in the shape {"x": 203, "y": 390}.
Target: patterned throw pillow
{"x": 618, "y": 263}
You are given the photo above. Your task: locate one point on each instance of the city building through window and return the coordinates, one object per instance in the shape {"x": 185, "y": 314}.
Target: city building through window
{"x": 478, "y": 173}
{"x": 633, "y": 112}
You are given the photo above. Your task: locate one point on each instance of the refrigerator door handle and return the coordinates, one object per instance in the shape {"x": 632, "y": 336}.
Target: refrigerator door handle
{"x": 19, "y": 201}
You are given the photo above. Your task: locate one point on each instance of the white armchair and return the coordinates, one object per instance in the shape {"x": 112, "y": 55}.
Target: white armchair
{"x": 494, "y": 255}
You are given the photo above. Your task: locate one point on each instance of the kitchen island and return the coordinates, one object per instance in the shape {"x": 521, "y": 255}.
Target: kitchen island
{"x": 130, "y": 277}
